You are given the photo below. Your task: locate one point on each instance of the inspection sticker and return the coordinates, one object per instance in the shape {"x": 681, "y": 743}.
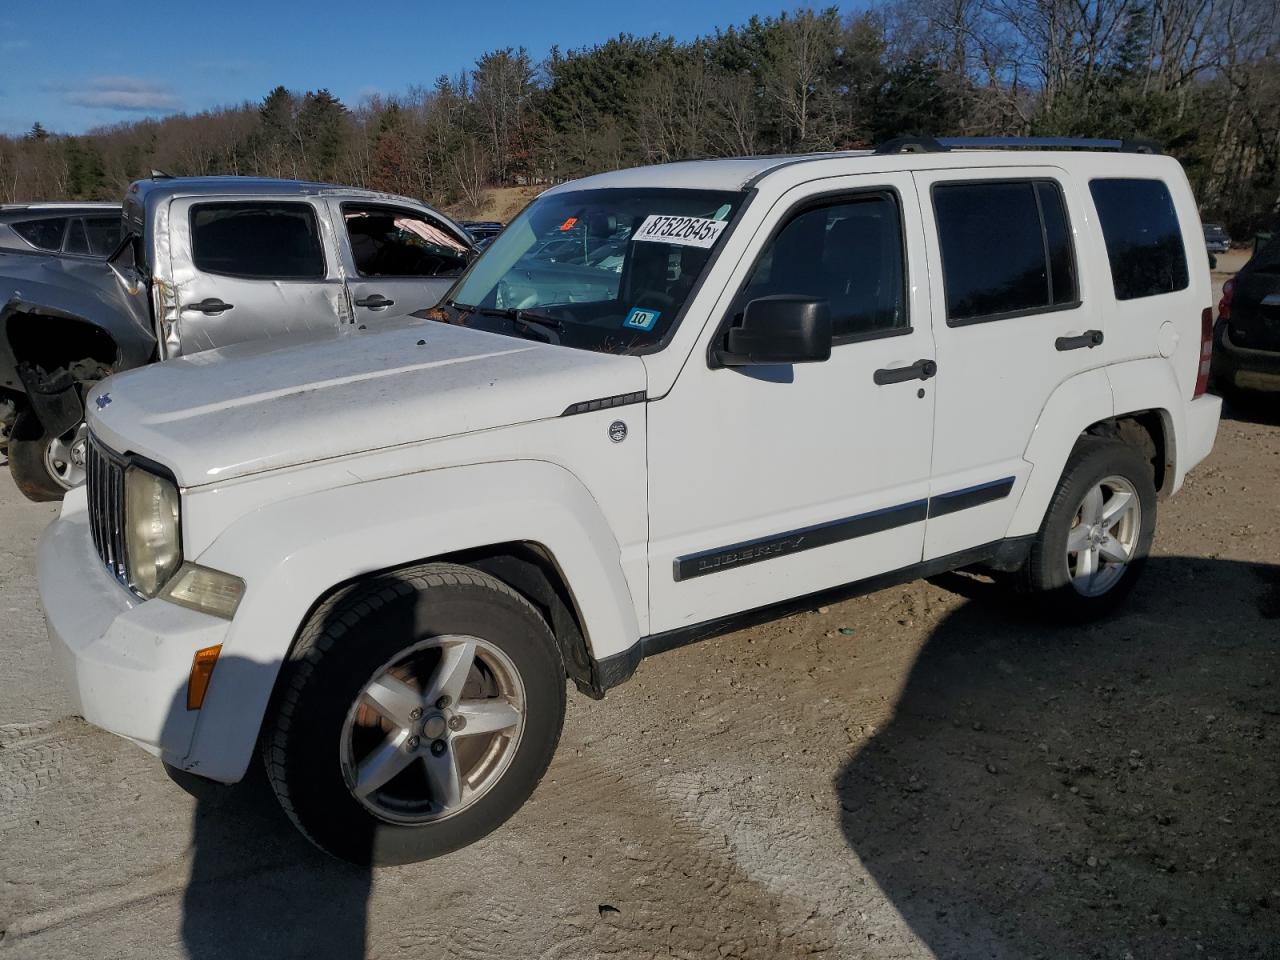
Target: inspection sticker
{"x": 641, "y": 319}
{"x": 685, "y": 231}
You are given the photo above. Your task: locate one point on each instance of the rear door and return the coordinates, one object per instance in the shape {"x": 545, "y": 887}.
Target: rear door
{"x": 396, "y": 259}
{"x": 1011, "y": 321}
{"x": 245, "y": 269}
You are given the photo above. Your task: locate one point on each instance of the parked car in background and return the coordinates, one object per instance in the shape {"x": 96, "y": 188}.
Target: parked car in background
{"x": 377, "y": 562}
{"x": 79, "y": 229}
{"x": 1246, "y": 350}
{"x": 1215, "y": 238}
{"x": 482, "y": 231}
{"x": 210, "y": 261}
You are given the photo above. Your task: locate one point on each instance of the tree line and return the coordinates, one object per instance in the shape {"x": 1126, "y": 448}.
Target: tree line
{"x": 1201, "y": 77}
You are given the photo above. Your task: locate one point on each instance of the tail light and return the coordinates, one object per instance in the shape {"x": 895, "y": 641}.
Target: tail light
{"x": 1206, "y": 351}
{"x": 1224, "y": 305}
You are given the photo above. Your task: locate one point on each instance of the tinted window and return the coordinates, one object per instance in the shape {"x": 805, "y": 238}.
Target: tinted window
{"x": 104, "y": 234}
{"x": 278, "y": 241}
{"x": 1006, "y": 248}
{"x": 1144, "y": 241}
{"x": 45, "y": 234}
{"x": 849, "y": 254}
{"x": 387, "y": 242}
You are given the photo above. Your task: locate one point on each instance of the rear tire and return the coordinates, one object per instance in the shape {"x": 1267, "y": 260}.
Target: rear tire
{"x": 416, "y": 713}
{"x": 1096, "y": 534}
{"x": 44, "y": 467}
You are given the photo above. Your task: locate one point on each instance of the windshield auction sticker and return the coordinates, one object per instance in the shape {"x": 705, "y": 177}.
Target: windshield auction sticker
{"x": 684, "y": 231}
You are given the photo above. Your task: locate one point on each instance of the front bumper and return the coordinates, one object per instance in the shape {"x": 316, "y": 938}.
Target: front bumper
{"x": 125, "y": 661}
{"x": 1243, "y": 367}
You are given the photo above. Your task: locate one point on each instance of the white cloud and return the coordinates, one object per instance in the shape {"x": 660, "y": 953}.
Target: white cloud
{"x": 126, "y": 94}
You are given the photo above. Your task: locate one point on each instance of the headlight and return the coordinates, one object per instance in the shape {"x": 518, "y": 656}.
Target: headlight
{"x": 152, "y": 544}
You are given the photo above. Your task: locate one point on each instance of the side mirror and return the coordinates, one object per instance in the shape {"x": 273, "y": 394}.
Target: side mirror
{"x": 779, "y": 329}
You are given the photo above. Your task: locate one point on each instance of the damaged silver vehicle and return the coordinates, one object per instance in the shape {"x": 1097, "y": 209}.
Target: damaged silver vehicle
{"x": 202, "y": 263}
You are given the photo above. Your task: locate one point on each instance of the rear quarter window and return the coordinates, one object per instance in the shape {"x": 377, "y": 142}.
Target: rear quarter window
{"x": 44, "y": 234}
{"x": 1143, "y": 237}
{"x": 257, "y": 241}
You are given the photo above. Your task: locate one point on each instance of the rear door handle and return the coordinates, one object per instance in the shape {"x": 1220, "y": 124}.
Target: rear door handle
{"x": 920, "y": 370}
{"x": 209, "y": 306}
{"x": 374, "y": 301}
{"x": 1090, "y": 339}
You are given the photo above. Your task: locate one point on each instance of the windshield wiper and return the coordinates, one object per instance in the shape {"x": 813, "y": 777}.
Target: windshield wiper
{"x": 525, "y": 321}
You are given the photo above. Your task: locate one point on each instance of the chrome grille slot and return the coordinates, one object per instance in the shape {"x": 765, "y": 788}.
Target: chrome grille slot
{"x": 106, "y": 507}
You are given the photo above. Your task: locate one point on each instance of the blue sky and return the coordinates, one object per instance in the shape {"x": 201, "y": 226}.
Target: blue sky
{"x": 74, "y": 64}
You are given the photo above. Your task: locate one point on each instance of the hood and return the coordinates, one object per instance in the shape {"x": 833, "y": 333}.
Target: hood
{"x": 262, "y": 405}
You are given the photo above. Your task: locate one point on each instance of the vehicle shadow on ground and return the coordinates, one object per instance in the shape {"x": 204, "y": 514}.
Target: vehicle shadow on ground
{"x": 1108, "y": 791}
{"x": 258, "y": 888}
{"x": 1260, "y": 408}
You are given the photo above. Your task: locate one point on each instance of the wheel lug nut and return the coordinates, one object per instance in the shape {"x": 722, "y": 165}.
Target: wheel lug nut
{"x": 442, "y": 703}
{"x": 415, "y": 713}
{"x": 412, "y": 743}
{"x": 439, "y": 747}
{"x": 457, "y": 722}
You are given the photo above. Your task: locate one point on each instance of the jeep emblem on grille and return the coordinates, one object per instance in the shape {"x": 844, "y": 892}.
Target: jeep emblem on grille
{"x": 103, "y": 400}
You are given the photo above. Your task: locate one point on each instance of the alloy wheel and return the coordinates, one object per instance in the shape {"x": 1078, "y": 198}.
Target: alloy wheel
{"x": 433, "y": 729}
{"x": 1104, "y": 536}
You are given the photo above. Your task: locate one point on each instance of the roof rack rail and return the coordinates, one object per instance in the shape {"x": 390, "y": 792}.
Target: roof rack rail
{"x": 945, "y": 144}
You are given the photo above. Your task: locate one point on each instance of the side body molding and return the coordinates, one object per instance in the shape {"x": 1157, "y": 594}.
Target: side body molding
{"x": 386, "y": 523}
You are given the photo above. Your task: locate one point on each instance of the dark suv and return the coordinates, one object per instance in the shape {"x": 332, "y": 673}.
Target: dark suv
{"x": 1246, "y": 348}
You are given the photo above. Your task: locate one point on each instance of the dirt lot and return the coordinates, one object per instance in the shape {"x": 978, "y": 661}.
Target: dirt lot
{"x": 927, "y": 771}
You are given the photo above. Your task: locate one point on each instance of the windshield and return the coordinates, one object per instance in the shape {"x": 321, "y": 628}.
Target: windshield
{"x": 607, "y": 270}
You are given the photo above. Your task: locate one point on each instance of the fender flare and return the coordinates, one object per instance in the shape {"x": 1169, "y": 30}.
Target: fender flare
{"x": 293, "y": 552}
{"x": 1074, "y": 404}
{"x": 1134, "y": 386}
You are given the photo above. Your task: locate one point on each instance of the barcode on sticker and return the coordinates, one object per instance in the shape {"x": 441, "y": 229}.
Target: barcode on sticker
{"x": 685, "y": 231}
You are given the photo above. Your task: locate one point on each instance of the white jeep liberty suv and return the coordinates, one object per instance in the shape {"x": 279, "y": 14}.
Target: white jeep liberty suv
{"x": 664, "y": 402}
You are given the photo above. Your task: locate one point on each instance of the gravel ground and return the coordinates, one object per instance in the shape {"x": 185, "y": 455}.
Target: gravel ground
{"x": 926, "y": 771}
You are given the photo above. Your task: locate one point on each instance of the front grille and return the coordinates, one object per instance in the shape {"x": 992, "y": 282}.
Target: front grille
{"x": 106, "y": 507}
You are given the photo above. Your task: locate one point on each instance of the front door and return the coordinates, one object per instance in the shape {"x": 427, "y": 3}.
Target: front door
{"x": 768, "y": 483}
{"x": 247, "y": 270}
{"x": 397, "y": 260}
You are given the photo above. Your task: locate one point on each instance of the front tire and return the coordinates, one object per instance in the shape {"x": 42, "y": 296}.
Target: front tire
{"x": 44, "y": 467}
{"x": 1096, "y": 534}
{"x": 416, "y": 714}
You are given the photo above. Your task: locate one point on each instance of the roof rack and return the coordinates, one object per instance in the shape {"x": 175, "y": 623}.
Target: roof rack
{"x": 945, "y": 144}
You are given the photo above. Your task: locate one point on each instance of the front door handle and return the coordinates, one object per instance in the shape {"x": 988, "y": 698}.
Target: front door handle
{"x": 920, "y": 370}
{"x": 209, "y": 306}
{"x": 375, "y": 301}
{"x": 1090, "y": 339}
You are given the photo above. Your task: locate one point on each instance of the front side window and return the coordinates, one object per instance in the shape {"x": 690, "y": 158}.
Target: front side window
{"x": 46, "y": 234}
{"x": 1006, "y": 249}
{"x": 257, "y": 241}
{"x": 848, "y": 253}
{"x": 1144, "y": 240}
{"x": 392, "y": 242}
{"x": 607, "y": 270}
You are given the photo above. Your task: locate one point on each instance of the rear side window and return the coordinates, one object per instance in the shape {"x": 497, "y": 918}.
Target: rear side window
{"x": 45, "y": 234}
{"x": 259, "y": 241}
{"x": 849, "y": 253}
{"x": 1144, "y": 241}
{"x": 1006, "y": 249}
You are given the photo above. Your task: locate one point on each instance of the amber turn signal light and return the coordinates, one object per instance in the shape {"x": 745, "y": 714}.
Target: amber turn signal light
{"x": 201, "y": 670}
